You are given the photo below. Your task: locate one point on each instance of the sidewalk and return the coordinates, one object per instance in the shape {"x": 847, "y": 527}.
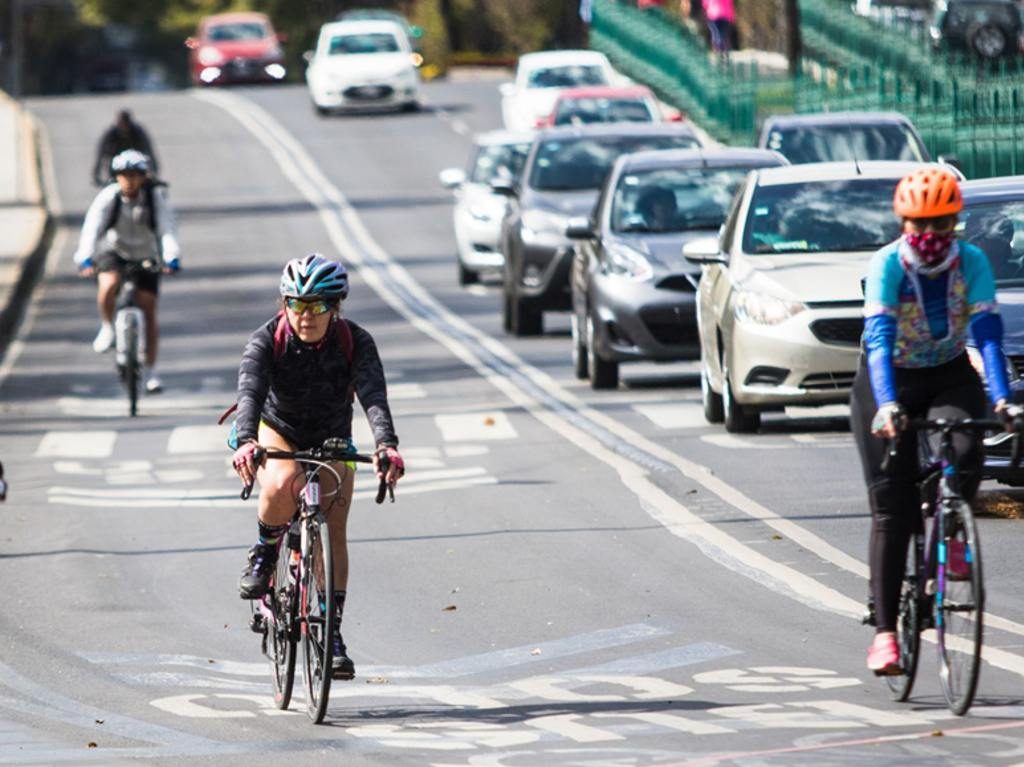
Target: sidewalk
{"x": 24, "y": 220}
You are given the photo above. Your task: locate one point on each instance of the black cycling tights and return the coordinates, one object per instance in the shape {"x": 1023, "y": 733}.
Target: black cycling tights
{"x": 952, "y": 390}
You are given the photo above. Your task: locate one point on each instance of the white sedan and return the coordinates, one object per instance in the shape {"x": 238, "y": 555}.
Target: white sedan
{"x": 362, "y": 64}
{"x": 478, "y": 210}
{"x": 540, "y": 77}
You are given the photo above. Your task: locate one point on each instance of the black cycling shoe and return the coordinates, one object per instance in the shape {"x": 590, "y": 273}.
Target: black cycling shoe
{"x": 255, "y": 580}
{"x": 342, "y": 666}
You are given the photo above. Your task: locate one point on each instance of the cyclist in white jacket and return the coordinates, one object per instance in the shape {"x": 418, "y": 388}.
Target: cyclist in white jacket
{"x": 129, "y": 221}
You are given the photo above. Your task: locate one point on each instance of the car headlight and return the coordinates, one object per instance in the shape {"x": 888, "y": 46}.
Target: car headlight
{"x": 623, "y": 261}
{"x": 543, "y": 224}
{"x": 763, "y": 309}
{"x": 274, "y": 53}
{"x": 210, "y": 56}
{"x": 978, "y": 363}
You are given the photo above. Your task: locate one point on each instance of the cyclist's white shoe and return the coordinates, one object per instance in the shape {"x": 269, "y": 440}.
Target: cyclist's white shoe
{"x": 104, "y": 340}
{"x": 153, "y": 383}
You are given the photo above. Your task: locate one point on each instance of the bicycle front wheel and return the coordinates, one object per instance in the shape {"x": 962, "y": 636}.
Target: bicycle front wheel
{"x": 908, "y": 634}
{"x": 959, "y": 606}
{"x": 282, "y": 635}
{"x": 132, "y": 372}
{"x": 318, "y": 618}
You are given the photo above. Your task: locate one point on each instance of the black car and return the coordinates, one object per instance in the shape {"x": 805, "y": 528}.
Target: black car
{"x": 993, "y": 219}
{"x": 633, "y": 293}
{"x": 561, "y": 178}
{"x": 987, "y": 28}
{"x": 843, "y": 136}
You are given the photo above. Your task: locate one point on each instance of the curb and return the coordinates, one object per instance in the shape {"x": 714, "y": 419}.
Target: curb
{"x": 32, "y": 265}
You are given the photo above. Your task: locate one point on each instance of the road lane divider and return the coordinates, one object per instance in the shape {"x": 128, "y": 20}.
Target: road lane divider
{"x": 634, "y": 457}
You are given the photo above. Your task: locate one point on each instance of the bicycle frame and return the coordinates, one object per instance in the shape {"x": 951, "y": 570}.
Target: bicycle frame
{"x": 130, "y": 333}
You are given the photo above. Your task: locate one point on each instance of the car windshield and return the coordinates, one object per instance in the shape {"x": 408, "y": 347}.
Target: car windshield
{"x": 840, "y": 143}
{"x": 998, "y": 229}
{"x": 367, "y": 42}
{"x": 582, "y": 163}
{"x": 237, "y": 32}
{"x": 600, "y": 110}
{"x": 566, "y": 76}
{"x": 495, "y": 160}
{"x": 821, "y": 216}
{"x": 674, "y": 199}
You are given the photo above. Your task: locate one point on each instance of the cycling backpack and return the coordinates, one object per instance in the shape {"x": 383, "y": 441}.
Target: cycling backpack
{"x": 147, "y": 190}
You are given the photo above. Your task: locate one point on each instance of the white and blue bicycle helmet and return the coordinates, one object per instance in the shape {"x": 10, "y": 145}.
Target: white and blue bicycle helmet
{"x": 130, "y": 161}
{"x": 314, "y": 276}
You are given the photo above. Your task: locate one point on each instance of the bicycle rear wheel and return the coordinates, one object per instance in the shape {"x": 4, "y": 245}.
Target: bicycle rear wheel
{"x": 318, "y": 618}
{"x": 132, "y": 373}
{"x": 908, "y": 634}
{"x": 959, "y": 606}
{"x": 282, "y": 635}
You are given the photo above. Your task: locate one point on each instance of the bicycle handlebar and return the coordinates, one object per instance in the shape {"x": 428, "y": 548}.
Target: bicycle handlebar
{"x": 951, "y": 425}
{"x": 330, "y": 451}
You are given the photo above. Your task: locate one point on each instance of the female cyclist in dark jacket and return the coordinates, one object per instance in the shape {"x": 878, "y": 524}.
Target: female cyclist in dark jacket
{"x": 299, "y": 375}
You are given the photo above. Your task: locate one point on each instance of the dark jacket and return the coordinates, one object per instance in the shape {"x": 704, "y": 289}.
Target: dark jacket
{"x": 305, "y": 394}
{"x": 113, "y": 142}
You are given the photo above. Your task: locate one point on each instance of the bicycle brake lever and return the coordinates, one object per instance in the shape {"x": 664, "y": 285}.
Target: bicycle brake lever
{"x": 246, "y": 492}
{"x": 890, "y": 456}
{"x": 382, "y": 490}
{"x": 257, "y": 458}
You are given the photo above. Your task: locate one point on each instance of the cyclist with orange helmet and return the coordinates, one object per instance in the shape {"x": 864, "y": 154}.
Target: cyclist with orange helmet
{"x": 923, "y": 294}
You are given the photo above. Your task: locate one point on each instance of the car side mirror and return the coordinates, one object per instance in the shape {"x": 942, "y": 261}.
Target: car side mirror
{"x": 579, "y": 228}
{"x": 307, "y": 56}
{"x": 953, "y": 161}
{"x": 504, "y": 186}
{"x": 704, "y": 251}
{"x": 507, "y": 89}
{"x": 282, "y": 38}
{"x": 191, "y": 42}
{"x": 452, "y": 178}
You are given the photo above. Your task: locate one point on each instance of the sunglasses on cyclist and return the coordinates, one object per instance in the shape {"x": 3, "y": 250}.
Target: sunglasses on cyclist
{"x": 299, "y": 306}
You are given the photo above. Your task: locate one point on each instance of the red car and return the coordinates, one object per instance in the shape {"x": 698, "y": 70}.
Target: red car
{"x": 606, "y": 104}
{"x": 235, "y": 48}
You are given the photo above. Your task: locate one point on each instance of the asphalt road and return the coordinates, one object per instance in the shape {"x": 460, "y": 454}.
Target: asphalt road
{"x": 568, "y": 578}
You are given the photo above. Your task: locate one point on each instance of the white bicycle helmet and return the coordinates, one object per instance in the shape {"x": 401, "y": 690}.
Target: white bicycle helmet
{"x": 130, "y": 161}
{"x": 314, "y": 276}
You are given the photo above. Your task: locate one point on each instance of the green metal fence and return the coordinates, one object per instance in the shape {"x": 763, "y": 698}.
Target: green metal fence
{"x": 971, "y": 110}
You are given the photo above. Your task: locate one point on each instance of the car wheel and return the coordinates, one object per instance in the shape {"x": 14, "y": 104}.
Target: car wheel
{"x": 322, "y": 111}
{"x": 579, "y": 349}
{"x": 411, "y": 106}
{"x": 467, "y": 276}
{"x": 739, "y": 419}
{"x": 987, "y": 40}
{"x": 603, "y": 374}
{"x": 526, "y": 321}
{"x": 714, "y": 411}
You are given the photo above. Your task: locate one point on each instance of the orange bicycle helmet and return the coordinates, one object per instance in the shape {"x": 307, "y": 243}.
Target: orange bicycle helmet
{"x": 928, "y": 193}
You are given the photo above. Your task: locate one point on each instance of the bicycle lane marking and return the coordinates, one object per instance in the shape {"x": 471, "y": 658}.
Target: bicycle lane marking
{"x": 629, "y": 453}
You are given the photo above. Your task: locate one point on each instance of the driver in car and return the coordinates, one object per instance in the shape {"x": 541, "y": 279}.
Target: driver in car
{"x": 657, "y": 206}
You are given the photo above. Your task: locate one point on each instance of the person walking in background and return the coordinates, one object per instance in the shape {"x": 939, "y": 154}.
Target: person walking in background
{"x": 124, "y": 134}
{"x": 721, "y": 16}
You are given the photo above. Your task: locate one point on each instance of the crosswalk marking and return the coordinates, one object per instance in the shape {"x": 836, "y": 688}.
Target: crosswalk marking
{"x": 674, "y": 415}
{"x": 406, "y": 391}
{"x": 76, "y": 444}
{"x": 198, "y": 439}
{"x": 471, "y": 427}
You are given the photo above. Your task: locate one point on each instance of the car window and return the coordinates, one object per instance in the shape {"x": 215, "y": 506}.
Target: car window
{"x": 582, "y": 163}
{"x": 237, "y": 32}
{"x": 366, "y": 42}
{"x": 674, "y": 200}
{"x": 840, "y": 143}
{"x": 601, "y": 110}
{"x": 820, "y": 216}
{"x": 998, "y": 229}
{"x": 493, "y": 160}
{"x": 566, "y": 76}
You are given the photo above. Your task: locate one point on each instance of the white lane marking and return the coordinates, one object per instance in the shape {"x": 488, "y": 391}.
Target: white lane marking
{"x": 673, "y": 416}
{"x": 187, "y": 706}
{"x": 466, "y": 451}
{"x": 76, "y": 468}
{"x": 823, "y": 440}
{"x": 825, "y": 411}
{"x": 406, "y": 391}
{"x": 416, "y": 477}
{"x": 460, "y": 127}
{"x": 198, "y": 439}
{"x": 474, "y": 427}
{"x": 668, "y": 721}
{"x": 117, "y": 407}
{"x": 775, "y": 679}
{"x": 871, "y": 716}
{"x": 732, "y": 442}
{"x": 449, "y": 330}
{"x": 569, "y": 726}
{"x": 76, "y": 444}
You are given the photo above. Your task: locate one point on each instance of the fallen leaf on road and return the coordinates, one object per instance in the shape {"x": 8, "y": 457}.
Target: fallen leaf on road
{"x": 937, "y": 733}
{"x": 488, "y": 421}
{"x": 378, "y": 680}
{"x": 776, "y": 537}
{"x": 535, "y": 651}
{"x": 449, "y": 608}
{"x": 210, "y": 660}
{"x": 92, "y": 744}
{"x": 99, "y": 721}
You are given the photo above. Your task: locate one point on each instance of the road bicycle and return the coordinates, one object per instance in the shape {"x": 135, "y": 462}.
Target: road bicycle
{"x": 943, "y": 588}
{"x": 130, "y": 331}
{"x": 299, "y": 605}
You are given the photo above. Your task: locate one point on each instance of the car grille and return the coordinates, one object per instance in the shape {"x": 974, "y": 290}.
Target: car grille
{"x": 828, "y": 381}
{"x": 243, "y": 68}
{"x": 677, "y": 282}
{"x": 670, "y": 327}
{"x": 843, "y": 331}
{"x": 368, "y": 92}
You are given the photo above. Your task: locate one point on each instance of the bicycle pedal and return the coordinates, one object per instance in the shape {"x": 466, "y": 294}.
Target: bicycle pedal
{"x": 258, "y": 624}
